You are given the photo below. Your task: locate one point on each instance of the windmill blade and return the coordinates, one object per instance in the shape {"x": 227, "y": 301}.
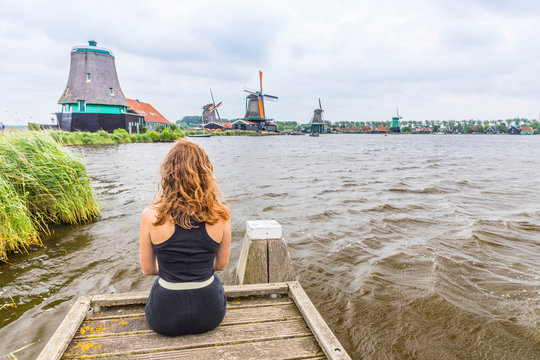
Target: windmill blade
{"x": 250, "y": 91}
{"x": 214, "y": 108}
{"x": 269, "y": 97}
{"x": 320, "y": 106}
{"x": 219, "y": 117}
{"x": 260, "y": 76}
{"x": 212, "y": 95}
{"x": 218, "y": 105}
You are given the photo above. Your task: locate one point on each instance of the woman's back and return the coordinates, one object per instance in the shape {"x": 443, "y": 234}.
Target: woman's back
{"x": 187, "y": 255}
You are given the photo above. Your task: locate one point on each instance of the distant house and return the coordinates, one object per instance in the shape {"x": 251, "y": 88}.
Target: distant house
{"x": 457, "y": 129}
{"x": 152, "y": 117}
{"x": 492, "y": 130}
{"x": 213, "y": 126}
{"x": 476, "y": 130}
{"x": 350, "y": 130}
{"x": 249, "y": 125}
{"x": 443, "y": 130}
{"x": 514, "y": 130}
{"x": 367, "y": 129}
{"x": 527, "y": 130}
{"x": 424, "y": 130}
{"x": 223, "y": 126}
{"x": 270, "y": 126}
{"x": 381, "y": 129}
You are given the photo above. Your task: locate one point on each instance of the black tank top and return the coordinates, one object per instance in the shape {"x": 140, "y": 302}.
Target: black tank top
{"x": 188, "y": 255}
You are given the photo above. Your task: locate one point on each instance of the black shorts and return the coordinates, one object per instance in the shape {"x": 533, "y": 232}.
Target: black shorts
{"x": 182, "y": 312}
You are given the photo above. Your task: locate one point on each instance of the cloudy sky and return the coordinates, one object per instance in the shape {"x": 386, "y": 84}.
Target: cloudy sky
{"x": 443, "y": 60}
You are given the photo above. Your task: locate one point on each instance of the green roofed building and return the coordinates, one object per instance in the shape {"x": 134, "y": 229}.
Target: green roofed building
{"x": 93, "y": 99}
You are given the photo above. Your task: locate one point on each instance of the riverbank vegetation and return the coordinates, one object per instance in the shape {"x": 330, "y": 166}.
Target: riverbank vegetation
{"x": 470, "y": 126}
{"x": 40, "y": 184}
{"x": 119, "y": 136}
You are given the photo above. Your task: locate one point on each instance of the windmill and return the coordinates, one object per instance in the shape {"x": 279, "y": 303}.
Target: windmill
{"x": 210, "y": 111}
{"x": 255, "y": 104}
{"x": 317, "y": 123}
{"x": 395, "y": 123}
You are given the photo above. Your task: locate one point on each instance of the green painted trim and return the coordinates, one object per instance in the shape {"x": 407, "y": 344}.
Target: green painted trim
{"x": 81, "y": 49}
{"x": 98, "y": 108}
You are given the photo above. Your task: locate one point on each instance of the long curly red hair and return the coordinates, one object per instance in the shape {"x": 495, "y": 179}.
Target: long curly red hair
{"x": 188, "y": 190}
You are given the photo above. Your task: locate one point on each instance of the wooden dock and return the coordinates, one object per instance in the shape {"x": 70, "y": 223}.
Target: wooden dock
{"x": 263, "y": 321}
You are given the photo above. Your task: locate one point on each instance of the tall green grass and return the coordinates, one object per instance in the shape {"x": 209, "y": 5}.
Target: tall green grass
{"x": 40, "y": 184}
{"x": 119, "y": 136}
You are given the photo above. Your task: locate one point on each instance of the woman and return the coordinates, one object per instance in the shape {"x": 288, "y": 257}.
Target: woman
{"x": 185, "y": 236}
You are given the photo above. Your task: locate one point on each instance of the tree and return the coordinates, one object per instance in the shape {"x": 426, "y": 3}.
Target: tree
{"x": 467, "y": 129}
{"x": 190, "y": 121}
{"x": 501, "y": 127}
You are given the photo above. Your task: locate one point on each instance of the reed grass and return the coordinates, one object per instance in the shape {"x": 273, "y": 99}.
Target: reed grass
{"x": 40, "y": 184}
{"x": 119, "y": 136}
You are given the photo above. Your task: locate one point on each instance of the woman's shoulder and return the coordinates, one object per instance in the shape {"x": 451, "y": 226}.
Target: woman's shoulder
{"x": 149, "y": 214}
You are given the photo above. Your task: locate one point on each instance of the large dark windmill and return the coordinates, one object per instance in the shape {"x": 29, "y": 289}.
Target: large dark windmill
{"x": 317, "y": 123}
{"x": 255, "y": 118}
{"x": 210, "y": 111}
{"x": 93, "y": 99}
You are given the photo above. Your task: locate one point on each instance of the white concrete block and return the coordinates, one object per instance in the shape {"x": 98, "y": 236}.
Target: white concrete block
{"x": 263, "y": 229}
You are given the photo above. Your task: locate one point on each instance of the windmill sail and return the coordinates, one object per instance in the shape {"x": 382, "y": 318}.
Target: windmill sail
{"x": 255, "y": 101}
{"x": 317, "y": 123}
{"x": 210, "y": 111}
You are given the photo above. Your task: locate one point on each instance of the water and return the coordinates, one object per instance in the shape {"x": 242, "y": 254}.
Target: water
{"x": 410, "y": 246}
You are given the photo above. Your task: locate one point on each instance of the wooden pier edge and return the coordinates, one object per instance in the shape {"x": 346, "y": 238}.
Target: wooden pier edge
{"x": 326, "y": 338}
{"x": 67, "y": 329}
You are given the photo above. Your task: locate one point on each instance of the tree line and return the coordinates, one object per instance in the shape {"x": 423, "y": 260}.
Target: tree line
{"x": 466, "y": 126}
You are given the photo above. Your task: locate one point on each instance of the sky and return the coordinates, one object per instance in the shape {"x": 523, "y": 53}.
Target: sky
{"x": 434, "y": 60}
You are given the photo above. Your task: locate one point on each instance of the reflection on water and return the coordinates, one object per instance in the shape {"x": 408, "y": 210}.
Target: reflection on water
{"x": 410, "y": 246}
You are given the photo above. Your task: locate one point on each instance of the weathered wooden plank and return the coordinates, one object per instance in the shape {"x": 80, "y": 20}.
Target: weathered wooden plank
{"x": 126, "y": 311}
{"x": 130, "y": 298}
{"x": 118, "y": 312}
{"x": 257, "y": 263}
{"x": 326, "y": 338}
{"x": 222, "y": 335}
{"x": 256, "y": 289}
{"x": 294, "y": 348}
{"x": 260, "y": 302}
{"x": 240, "y": 269}
{"x": 62, "y": 336}
{"x": 280, "y": 265}
{"x": 106, "y": 327}
{"x": 232, "y": 291}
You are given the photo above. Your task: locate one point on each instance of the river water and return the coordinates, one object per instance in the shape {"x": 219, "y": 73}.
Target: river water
{"x": 410, "y": 246}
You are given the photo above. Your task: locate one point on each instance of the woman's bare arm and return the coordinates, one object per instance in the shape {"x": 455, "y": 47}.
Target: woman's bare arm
{"x": 147, "y": 256}
{"x": 223, "y": 252}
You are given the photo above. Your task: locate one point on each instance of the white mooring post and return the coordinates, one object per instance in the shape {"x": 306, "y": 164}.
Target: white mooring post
{"x": 264, "y": 257}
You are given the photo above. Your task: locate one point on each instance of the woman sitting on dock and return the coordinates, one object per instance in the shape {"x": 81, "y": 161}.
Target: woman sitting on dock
{"x": 185, "y": 236}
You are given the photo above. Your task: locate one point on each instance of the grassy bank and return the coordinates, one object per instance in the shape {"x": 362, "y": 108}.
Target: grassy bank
{"x": 119, "y": 136}
{"x": 40, "y": 184}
